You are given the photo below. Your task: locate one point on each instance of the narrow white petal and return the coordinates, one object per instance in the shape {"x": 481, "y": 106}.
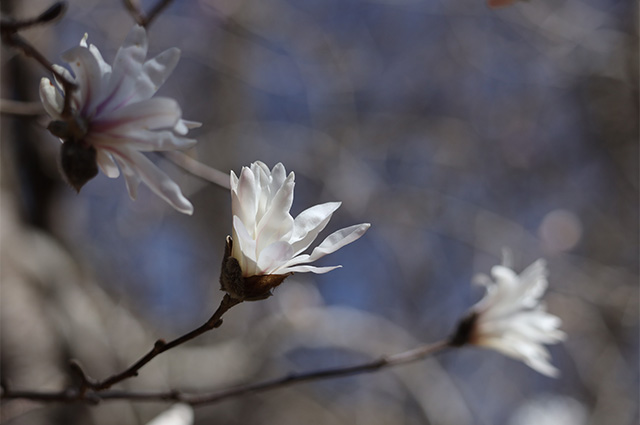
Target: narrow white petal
{"x": 88, "y": 77}
{"x": 158, "y": 181}
{"x": 155, "y": 72}
{"x": 143, "y": 140}
{"x": 309, "y": 223}
{"x": 152, "y": 114}
{"x": 307, "y": 269}
{"x": 338, "y": 239}
{"x": 244, "y": 248}
{"x": 107, "y": 164}
{"x": 244, "y": 203}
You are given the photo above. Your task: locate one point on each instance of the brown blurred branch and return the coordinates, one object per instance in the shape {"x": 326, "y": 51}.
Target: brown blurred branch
{"x": 160, "y": 347}
{"x": 71, "y": 395}
{"x": 15, "y": 107}
{"x": 140, "y": 17}
{"x": 9, "y": 28}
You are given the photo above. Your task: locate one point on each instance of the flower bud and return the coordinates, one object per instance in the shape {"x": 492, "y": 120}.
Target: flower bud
{"x": 252, "y": 288}
{"x": 78, "y": 161}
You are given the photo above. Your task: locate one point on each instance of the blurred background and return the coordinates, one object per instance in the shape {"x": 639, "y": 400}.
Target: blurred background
{"x": 456, "y": 130}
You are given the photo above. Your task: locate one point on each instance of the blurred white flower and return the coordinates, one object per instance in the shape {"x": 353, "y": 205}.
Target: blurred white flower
{"x": 511, "y": 319}
{"x": 267, "y": 240}
{"x": 114, "y": 117}
{"x": 550, "y": 409}
{"x": 178, "y": 414}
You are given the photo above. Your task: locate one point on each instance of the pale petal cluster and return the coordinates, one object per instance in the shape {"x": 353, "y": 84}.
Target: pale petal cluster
{"x": 267, "y": 240}
{"x": 115, "y": 106}
{"x": 511, "y": 319}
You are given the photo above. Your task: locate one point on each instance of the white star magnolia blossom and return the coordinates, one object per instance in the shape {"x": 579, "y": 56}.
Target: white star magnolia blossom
{"x": 511, "y": 319}
{"x": 121, "y": 117}
{"x": 267, "y": 240}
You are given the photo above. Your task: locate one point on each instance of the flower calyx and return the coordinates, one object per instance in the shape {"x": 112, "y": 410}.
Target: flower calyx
{"x": 78, "y": 159}
{"x": 252, "y": 288}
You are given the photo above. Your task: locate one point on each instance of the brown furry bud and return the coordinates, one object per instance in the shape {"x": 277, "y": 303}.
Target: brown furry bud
{"x": 78, "y": 161}
{"x": 252, "y": 288}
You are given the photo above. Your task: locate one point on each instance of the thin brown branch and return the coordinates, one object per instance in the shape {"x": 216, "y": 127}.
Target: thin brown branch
{"x": 9, "y": 29}
{"x": 161, "y": 346}
{"x": 372, "y": 366}
{"x": 224, "y": 394}
{"x": 155, "y": 11}
{"x": 199, "y": 169}
{"x": 140, "y": 17}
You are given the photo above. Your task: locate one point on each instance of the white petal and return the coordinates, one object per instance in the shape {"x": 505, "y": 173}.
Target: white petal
{"x": 143, "y": 140}
{"x": 244, "y": 248}
{"x": 152, "y": 114}
{"x": 244, "y": 201}
{"x": 306, "y": 269}
{"x": 155, "y": 72}
{"x": 88, "y": 77}
{"x": 107, "y": 164}
{"x": 337, "y": 240}
{"x": 309, "y": 223}
{"x": 277, "y": 223}
{"x": 51, "y": 98}
{"x": 157, "y": 181}
{"x": 273, "y": 256}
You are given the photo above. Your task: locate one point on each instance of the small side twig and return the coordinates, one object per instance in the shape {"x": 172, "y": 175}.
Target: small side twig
{"x": 9, "y": 28}
{"x": 161, "y": 346}
{"x": 140, "y": 17}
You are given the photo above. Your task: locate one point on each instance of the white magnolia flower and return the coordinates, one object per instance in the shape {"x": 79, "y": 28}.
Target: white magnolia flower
{"x": 178, "y": 414}
{"x": 511, "y": 319}
{"x": 115, "y": 119}
{"x": 267, "y": 240}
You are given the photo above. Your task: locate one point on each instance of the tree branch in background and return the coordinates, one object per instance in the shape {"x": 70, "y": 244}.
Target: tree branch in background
{"x": 71, "y": 395}
{"x": 9, "y": 28}
{"x": 140, "y": 17}
{"x": 160, "y": 347}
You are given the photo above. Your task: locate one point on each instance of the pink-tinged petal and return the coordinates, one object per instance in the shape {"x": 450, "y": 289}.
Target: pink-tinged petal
{"x": 88, "y": 77}
{"x": 152, "y": 114}
{"x": 273, "y": 256}
{"x": 51, "y": 98}
{"x": 157, "y": 181}
{"x": 307, "y": 269}
{"x": 107, "y": 164}
{"x": 309, "y": 223}
{"x": 337, "y": 240}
